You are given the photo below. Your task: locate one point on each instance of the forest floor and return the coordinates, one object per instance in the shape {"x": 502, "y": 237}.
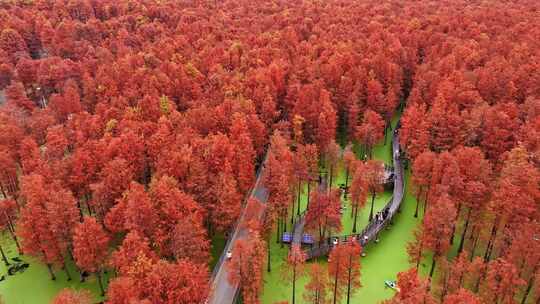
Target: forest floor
{"x": 384, "y": 259}
{"x": 34, "y": 286}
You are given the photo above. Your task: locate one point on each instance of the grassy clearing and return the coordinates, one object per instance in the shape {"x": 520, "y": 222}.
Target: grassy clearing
{"x": 34, "y": 286}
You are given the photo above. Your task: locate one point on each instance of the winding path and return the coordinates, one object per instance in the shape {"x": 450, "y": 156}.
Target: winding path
{"x": 372, "y": 230}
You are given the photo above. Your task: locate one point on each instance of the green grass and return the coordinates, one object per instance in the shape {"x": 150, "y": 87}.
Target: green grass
{"x": 34, "y": 286}
{"x": 218, "y": 242}
{"x": 384, "y": 259}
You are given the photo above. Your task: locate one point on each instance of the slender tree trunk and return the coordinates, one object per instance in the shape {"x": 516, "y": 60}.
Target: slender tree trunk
{"x": 419, "y": 255}
{"x": 455, "y": 224}
{"x": 349, "y": 280}
{"x": 12, "y": 233}
{"x": 489, "y": 247}
{"x": 346, "y": 179}
{"x": 462, "y": 240}
{"x": 2, "y": 190}
{"x": 292, "y": 212}
{"x": 299, "y": 195}
{"x": 473, "y": 249}
{"x": 355, "y": 217}
{"x": 418, "y": 202}
{"x": 426, "y": 195}
{"x": 278, "y": 230}
{"x": 331, "y": 178}
{"x": 432, "y": 267}
{"x": 4, "y": 256}
{"x": 529, "y": 286}
{"x": 49, "y": 267}
{"x": 336, "y": 282}
{"x": 98, "y": 274}
{"x": 308, "y": 192}
{"x": 372, "y": 203}
{"x": 268, "y": 267}
{"x": 294, "y": 285}
{"x": 66, "y": 270}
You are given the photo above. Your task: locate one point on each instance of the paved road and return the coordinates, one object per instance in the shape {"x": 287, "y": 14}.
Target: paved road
{"x": 222, "y": 292}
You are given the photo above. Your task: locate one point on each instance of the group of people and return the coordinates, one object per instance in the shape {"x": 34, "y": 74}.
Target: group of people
{"x": 381, "y": 216}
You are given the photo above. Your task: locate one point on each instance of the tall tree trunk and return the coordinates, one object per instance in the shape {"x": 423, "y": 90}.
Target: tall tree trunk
{"x": 432, "y": 267}
{"x": 98, "y": 274}
{"x": 419, "y": 255}
{"x": 462, "y": 240}
{"x": 4, "y": 256}
{"x": 299, "y": 195}
{"x": 268, "y": 268}
{"x": 489, "y": 247}
{"x": 329, "y": 186}
{"x": 372, "y": 203}
{"x": 294, "y": 284}
{"x": 455, "y": 224}
{"x": 66, "y": 270}
{"x": 418, "y": 202}
{"x": 292, "y": 212}
{"x": 336, "y": 282}
{"x": 49, "y": 267}
{"x": 355, "y": 217}
{"x": 349, "y": 280}
{"x": 308, "y": 192}
{"x": 278, "y": 230}
{"x": 11, "y": 229}
{"x": 529, "y": 286}
{"x": 473, "y": 249}
{"x": 426, "y": 195}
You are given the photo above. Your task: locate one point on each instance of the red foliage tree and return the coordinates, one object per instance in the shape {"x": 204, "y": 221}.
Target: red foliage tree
{"x": 69, "y": 296}
{"x": 344, "y": 270}
{"x": 294, "y": 268}
{"x": 374, "y": 178}
{"x": 90, "y": 247}
{"x": 437, "y": 228}
{"x": 323, "y": 213}
{"x": 316, "y": 290}
{"x": 370, "y": 131}
{"x": 246, "y": 266}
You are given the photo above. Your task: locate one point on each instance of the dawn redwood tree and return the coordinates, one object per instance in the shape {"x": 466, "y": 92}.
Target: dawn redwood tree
{"x": 374, "y": 176}
{"x": 183, "y": 282}
{"x": 412, "y": 289}
{"x": 90, "y": 247}
{"x": 437, "y": 228}
{"x": 294, "y": 268}
{"x": 33, "y": 227}
{"x": 344, "y": 269}
{"x": 323, "y": 213}
{"x": 246, "y": 267}
{"x": 316, "y": 290}
{"x": 190, "y": 240}
{"x": 518, "y": 182}
{"x": 332, "y": 155}
{"x": 352, "y": 254}
{"x": 327, "y": 121}
{"x": 244, "y": 159}
{"x": 227, "y": 209}
{"x": 501, "y": 282}
{"x": 415, "y": 248}
{"x": 422, "y": 168}
{"x": 123, "y": 290}
{"x": 475, "y": 173}
{"x": 359, "y": 191}
{"x": 70, "y": 296}
{"x": 134, "y": 246}
{"x": 370, "y": 131}
{"x": 8, "y": 212}
{"x": 462, "y": 296}
{"x": 349, "y": 161}
{"x": 524, "y": 253}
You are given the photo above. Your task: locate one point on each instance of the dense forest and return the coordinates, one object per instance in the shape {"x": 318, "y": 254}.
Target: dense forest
{"x": 131, "y": 132}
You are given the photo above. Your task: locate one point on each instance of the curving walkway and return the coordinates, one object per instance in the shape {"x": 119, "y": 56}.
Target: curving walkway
{"x": 372, "y": 230}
